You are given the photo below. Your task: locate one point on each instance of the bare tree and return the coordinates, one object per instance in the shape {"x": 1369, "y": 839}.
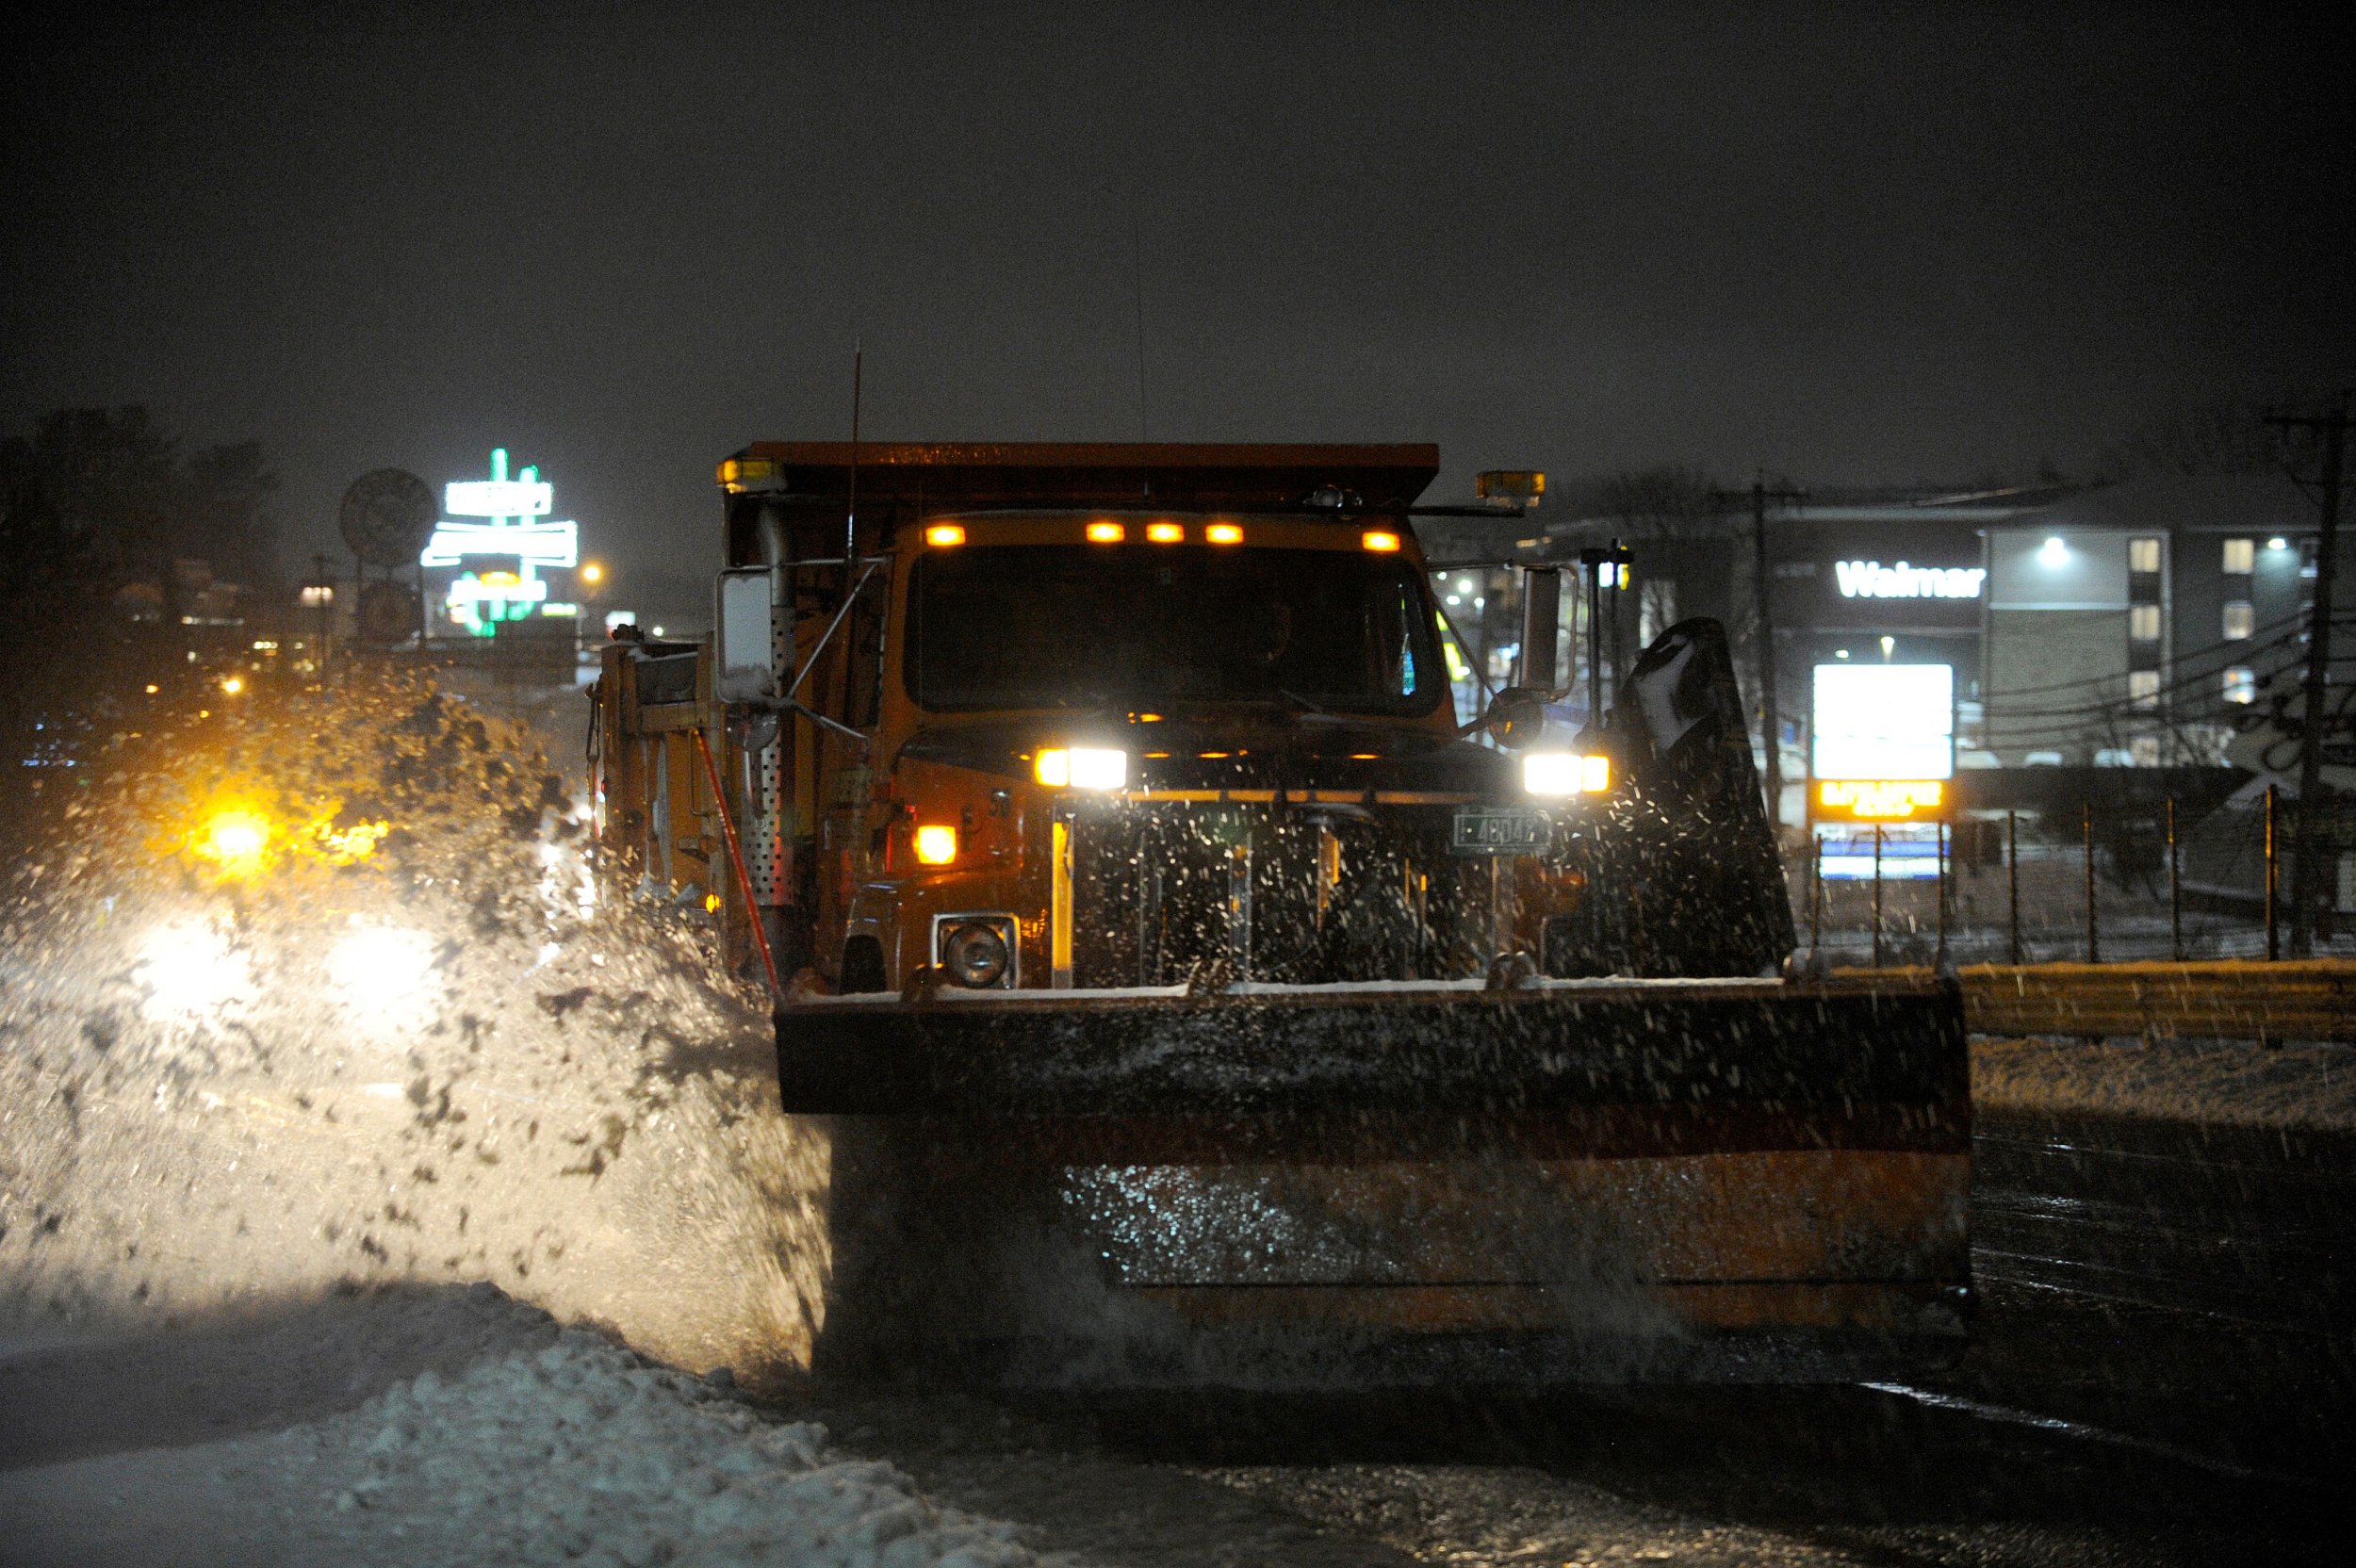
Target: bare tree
{"x": 2222, "y": 436}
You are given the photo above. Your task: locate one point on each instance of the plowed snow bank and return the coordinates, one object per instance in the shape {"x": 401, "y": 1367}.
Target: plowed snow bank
{"x": 580, "y": 1451}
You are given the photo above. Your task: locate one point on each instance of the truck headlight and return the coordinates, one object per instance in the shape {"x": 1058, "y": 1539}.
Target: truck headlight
{"x": 1081, "y": 767}
{"x": 1565, "y": 773}
{"x": 976, "y": 953}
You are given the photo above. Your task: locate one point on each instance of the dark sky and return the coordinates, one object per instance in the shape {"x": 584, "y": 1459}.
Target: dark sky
{"x": 1851, "y": 244}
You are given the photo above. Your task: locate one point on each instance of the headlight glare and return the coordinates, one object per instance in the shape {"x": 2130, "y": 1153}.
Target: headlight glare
{"x": 1081, "y": 767}
{"x": 1565, "y": 773}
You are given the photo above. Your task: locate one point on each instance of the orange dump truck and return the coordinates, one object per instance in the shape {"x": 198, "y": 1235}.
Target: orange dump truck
{"x": 1190, "y": 995}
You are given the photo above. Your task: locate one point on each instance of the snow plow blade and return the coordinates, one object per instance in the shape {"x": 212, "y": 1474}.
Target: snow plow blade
{"x": 1571, "y": 1181}
{"x": 1456, "y": 1049}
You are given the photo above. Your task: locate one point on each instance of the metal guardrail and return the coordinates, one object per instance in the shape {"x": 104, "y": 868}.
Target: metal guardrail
{"x": 2268, "y": 1002}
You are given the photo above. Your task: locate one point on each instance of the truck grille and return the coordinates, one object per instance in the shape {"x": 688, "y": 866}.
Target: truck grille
{"x": 1161, "y": 891}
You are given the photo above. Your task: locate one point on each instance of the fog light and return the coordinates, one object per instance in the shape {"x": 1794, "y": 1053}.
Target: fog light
{"x": 976, "y": 954}
{"x": 1565, "y": 773}
{"x": 936, "y": 845}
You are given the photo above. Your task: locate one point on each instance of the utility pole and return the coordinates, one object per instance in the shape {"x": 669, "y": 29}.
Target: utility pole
{"x": 2305, "y": 874}
{"x": 1771, "y": 714}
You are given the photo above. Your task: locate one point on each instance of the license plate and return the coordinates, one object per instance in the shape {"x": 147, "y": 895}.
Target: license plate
{"x": 1507, "y": 832}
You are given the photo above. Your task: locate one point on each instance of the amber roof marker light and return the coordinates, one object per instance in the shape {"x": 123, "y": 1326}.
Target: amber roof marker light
{"x": 1381, "y": 540}
{"x": 1166, "y": 533}
{"x": 1107, "y": 533}
{"x": 943, "y": 535}
{"x": 1223, "y": 533}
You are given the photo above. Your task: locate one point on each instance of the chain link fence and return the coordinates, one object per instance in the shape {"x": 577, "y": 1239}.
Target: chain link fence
{"x": 2105, "y": 883}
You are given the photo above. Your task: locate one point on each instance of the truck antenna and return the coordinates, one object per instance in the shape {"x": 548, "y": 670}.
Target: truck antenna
{"x": 850, "y": 510}
{"x": 1137, "y": 280}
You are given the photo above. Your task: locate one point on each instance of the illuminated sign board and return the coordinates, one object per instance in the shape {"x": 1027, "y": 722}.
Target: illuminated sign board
{"x": 1882, "y": 741}
{"x": 1880, "y": 799}
{"x": 498, "y": 498}
{"x": 1871, "y": 579}
{"x": 513, "y": 532}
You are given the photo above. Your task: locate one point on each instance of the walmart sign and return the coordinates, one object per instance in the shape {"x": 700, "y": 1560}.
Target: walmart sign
{"x": 1871, "y": 579}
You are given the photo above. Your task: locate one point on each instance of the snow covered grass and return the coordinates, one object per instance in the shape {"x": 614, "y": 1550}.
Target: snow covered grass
{"x": 2226, "y": 1083}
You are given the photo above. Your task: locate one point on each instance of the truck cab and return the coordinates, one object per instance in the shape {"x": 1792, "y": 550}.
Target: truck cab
{"x": 1045, "y": 717}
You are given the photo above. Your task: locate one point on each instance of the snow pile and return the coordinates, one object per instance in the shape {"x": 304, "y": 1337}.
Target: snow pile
{"x": 451, "y": 1059}
{"x": 585, "y": 1452}
{"x": 577, "y": 1452}
{"x": 2309, "y": 1086}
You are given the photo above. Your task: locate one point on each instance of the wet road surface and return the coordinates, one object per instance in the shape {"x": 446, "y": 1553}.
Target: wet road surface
{"x": 2161, "y": 1372}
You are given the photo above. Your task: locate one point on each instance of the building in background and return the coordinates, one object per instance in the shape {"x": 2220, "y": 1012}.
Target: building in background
{"x": 2134, "y": 625}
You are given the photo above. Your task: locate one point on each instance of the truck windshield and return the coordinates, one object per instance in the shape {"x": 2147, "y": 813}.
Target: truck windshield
{"x": 1049, "y": 626}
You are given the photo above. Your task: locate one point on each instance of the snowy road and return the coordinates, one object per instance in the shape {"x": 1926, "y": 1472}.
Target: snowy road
{"x": 2084, "y": 1429}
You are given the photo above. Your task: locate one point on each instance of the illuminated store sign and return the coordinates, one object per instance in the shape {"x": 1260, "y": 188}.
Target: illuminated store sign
{"x": 1881, "y": 799}
{"x": 513, "y": 532}
{"x": 1871, "y": 579}
{"x": 1883, "y": 743}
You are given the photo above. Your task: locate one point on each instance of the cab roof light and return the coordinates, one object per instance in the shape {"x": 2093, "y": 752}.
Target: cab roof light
{"x": 1379, "y": 539}
{"x": 1223, "y": 533}
{"x": 936, "y": 845}
{"x": 943, "y": 535}
{"x": 1107, "y": 533}
{"x": 1164, "y": 533}
{"x": 740, "y": 472}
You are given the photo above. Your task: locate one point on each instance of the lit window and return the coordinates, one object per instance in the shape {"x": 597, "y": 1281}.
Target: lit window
{"x": 2241, "y": 684}
{"x": 2143, "y": 555}
{"x": 2143, "y": 688}
{"x": 2144, "y": 751}
{"x": 2240, "y": 619}
{"x": 2240, "y": 556}
{"x": 2143, "y": 623}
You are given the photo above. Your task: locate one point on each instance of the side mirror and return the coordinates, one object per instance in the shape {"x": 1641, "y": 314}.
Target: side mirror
{"x": 744, "y": 637}
{"x": 1516, "y": 717}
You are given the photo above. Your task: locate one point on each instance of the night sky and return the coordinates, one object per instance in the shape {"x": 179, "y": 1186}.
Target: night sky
{"x": 1846, "y": 245}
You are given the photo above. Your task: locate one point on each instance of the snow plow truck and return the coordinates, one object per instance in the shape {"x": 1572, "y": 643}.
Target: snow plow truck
{"x": 1186, "y": 993}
